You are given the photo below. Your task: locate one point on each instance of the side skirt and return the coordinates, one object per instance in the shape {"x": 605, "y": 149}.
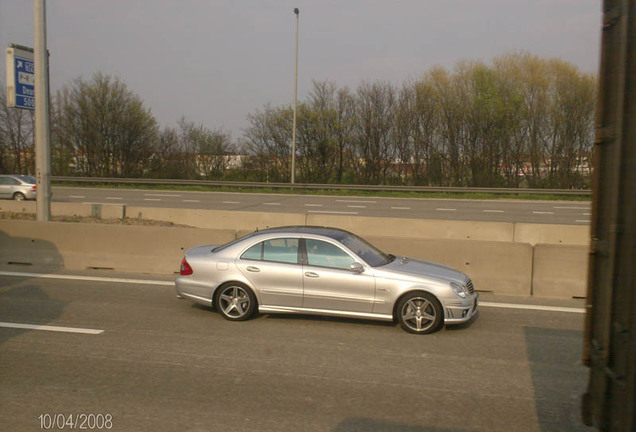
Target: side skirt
{"x": 293, "y": 310}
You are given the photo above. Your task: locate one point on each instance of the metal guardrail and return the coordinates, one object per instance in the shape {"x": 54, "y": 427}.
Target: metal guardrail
{"x": 315, "y": 186}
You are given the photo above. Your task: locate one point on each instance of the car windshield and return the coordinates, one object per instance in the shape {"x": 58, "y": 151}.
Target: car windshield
{"x": 369, "y": 253}
{"x": 26, "y": 179}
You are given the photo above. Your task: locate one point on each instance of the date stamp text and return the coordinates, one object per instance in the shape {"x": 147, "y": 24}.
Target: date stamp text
{"x": 81, "y": 421}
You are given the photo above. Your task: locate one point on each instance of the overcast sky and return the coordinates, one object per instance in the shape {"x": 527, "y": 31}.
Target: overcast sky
{"x": 215, "y": 61}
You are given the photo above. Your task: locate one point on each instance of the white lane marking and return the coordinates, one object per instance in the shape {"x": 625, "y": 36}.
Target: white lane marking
{"x": 493, "y": 211}
{"x": 77, "y": 196}
{"x": 332, "y": 212}
{"x": 114, "y": 198}
{"x": 582, "y": 221}
{"x": 188, "y": 200}
{"x": 445, "y": 209}
{"x": 52, "y": 328}
{"x": 400, "y": 208}
{"x": 572, "y": 208}
{"x": 587, "y": 214}
{"x": 272, "y": 203}
{"x": 313, "y": 205}
{"x": 231, "y": 202}
{"x": 356, "y": 201}
{"x": 356, "y": 206}
{"x": 542, "y": 212}
{"x": 532, "y": 307}
{"x": 152, "y": 199}
{"x": 161, "y": 195}
{"x": 86, "y": 278}
{"x": 102, "y": 203}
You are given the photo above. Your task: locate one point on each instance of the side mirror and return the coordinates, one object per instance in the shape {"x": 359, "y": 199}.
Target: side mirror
{"x": 356, "y": 268}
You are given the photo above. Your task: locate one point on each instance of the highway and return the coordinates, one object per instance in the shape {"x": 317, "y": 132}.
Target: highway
{"x": 539, "y": 212}
{"x": 128, "y": 350}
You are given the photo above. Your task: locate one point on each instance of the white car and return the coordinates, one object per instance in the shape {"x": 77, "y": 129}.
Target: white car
{"x": 18, "y": 187}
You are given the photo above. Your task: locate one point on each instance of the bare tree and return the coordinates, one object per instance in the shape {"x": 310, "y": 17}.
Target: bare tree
{"x": 16, "y": 138}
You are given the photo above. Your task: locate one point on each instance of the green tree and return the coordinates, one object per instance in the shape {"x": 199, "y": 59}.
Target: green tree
{"x": 110, "y": 131}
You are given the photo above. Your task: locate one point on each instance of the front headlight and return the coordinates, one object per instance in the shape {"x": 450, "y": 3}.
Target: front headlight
{"x": 460, "y": 290}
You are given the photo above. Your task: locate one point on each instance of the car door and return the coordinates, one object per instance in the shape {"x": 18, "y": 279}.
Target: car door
{"x": 6, "y": 187}
{"x": 330, "y": 284}
{"x": 272, "y": 267}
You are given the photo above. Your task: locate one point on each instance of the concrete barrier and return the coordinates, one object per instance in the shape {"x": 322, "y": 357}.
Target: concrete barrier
{"x": 501, "y": 267}
{"x": 17, "y": 206}
{"x": 143, "y": 249}
{"x": 104, "y": 211}
{"x": 552, "y": 234}
{"x": 560, "y": 271}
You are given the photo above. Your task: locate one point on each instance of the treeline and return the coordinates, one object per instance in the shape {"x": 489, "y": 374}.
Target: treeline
{"x": 518, "y": 121}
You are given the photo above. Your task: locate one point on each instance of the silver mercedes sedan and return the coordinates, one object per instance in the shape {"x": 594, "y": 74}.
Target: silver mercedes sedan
{"x": 324, "y": 271}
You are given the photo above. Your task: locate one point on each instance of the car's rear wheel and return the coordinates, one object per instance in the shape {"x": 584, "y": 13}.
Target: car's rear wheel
{"x": 420, "y": 313}
{"x": 19, "y": 196}
{"x": 235, "y": 301}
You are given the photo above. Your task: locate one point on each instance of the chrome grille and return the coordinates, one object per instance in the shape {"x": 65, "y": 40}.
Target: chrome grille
{"x": 469, "y": 286}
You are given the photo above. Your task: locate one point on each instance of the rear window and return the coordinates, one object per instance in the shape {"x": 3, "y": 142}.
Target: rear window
{"x": 26, "y": 179}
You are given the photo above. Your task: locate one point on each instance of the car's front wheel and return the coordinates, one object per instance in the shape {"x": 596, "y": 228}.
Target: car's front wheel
{"x": 19, "y": 196}
{"x": 235, "y": 301}
{"x": 420, "y": 313}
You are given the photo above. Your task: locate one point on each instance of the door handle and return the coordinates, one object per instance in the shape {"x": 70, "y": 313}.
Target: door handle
{"x": 253, "y": 269}
{"x": 311, "y": 274}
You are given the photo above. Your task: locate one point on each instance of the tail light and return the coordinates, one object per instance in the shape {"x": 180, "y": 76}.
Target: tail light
{"x": 186, "y": 270}
{"x": 34, "y": 188}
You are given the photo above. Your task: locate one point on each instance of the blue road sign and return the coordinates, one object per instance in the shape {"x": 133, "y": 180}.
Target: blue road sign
{"x": 24, "y": 83}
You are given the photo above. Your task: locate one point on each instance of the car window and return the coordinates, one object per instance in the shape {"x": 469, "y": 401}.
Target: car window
{"x": 324, "y": 254}
{"x": 27, "y": 179}
{"x": 254, "y": 253}
{"x": 9, "y": 181}
{"x": 369, "y": 253}
{"x": 283, "y": 250}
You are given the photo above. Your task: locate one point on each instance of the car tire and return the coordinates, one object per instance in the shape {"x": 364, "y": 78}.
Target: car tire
{"x": 420, "y": 312}
{"x": 19, "y": 196}
{"x": 235, "y": 301}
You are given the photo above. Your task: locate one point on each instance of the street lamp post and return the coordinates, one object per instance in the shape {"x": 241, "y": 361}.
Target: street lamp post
{"x": 293, "y": 156}
{"x": 42, "y": 134}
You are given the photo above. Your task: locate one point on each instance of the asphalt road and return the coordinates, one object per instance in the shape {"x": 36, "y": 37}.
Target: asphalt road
{"x": 163, "y": 364}
{"x": 541, "y": 212}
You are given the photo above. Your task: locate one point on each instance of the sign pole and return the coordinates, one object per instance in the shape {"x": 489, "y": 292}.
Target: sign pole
{"x": 42, "y": 134}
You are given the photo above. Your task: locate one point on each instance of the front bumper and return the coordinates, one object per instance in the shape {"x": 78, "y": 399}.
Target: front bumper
{"x": 461, "y": 312}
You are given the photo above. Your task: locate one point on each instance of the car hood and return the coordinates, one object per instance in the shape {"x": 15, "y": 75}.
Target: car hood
{"x": 425, "y": 269}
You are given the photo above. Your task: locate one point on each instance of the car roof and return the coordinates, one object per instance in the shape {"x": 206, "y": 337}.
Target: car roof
{"x": 334, "y": 233}
{"x": 18, "y": 176}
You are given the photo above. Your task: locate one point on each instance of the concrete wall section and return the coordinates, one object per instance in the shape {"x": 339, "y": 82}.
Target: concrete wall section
{"x": 77, "y": 246}
{"x": 17, "y": 206}
{"x": 552, "y": 234}
{"x": 560, "y": 271}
